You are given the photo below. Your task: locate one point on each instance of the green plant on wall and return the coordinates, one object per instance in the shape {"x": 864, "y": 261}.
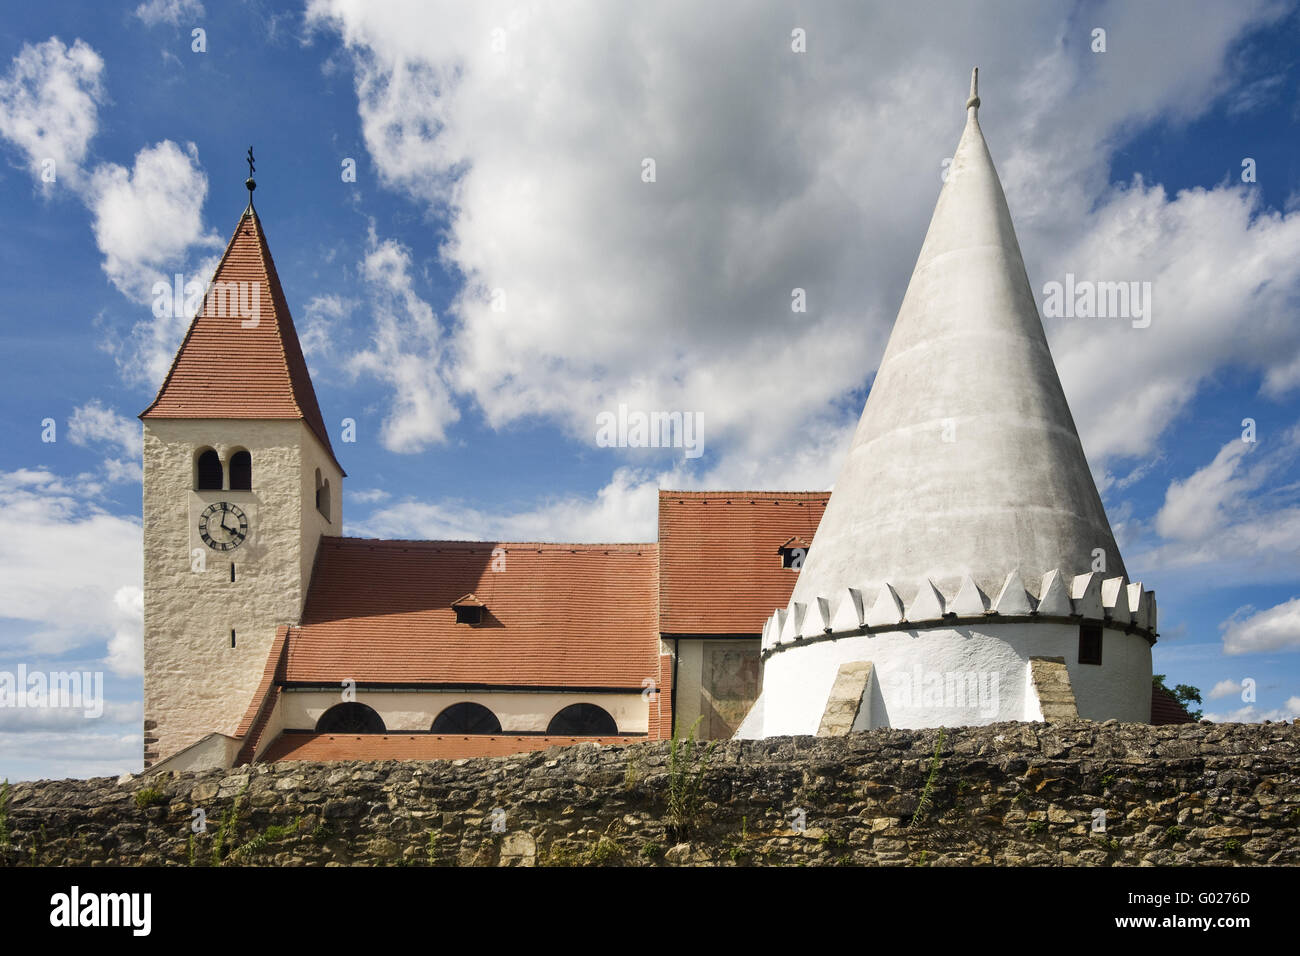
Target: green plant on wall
{"x": 923, "y": 805}
{"x": 226, "y": 830}
{"x": 606, "y": 851}
{"x": 633, "y": 774}
{"x": 149, "y": 797}
{"x": 687, "y": 764}
{"x": 272, "y": 834}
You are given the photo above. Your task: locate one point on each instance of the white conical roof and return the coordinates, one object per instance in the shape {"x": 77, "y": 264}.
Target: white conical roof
{"x": 966, "y": 459}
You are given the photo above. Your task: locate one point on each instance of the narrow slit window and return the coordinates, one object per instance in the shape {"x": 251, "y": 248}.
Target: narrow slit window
{"x": 232, "y": 572}
{"x": 232, "y": 637}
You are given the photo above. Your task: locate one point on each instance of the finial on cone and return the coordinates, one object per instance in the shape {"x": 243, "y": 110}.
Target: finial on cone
{"x": 250, "y": 182}
{"x": 974, "y": 101}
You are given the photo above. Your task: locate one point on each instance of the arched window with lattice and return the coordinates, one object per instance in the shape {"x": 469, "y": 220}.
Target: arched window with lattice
{"x": 582, "y": 720}
{"x": 466, "y": 717}
{"x": 350, "y": 718}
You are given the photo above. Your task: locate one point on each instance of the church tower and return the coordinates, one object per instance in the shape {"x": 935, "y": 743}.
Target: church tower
{"x": 240, "y": 482}
{"x": 964, "y": 571}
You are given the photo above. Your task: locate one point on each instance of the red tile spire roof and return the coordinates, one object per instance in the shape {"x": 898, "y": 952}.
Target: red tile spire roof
{"x": 242, "y": 364}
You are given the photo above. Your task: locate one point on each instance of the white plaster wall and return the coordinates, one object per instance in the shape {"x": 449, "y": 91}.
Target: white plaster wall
{"x": 315, "y": 524}
{"x": 797, "y": 682}
{"x": 195, "y": 682}
{"x": 213, "y": 752}
{"x": 518, "y": 711}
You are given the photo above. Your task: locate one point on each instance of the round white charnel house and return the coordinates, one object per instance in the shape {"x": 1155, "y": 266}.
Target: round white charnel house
{"x": 964, "y": 571}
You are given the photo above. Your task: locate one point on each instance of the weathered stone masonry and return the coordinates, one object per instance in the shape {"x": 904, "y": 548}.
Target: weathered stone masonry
{"x": 1008, "y": 793}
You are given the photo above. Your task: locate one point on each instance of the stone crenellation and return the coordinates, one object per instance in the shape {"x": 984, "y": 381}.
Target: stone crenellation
{"x": 1071, "y": 793}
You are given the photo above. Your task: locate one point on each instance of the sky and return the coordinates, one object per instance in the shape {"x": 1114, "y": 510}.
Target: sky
{"x": 495, "y": 221}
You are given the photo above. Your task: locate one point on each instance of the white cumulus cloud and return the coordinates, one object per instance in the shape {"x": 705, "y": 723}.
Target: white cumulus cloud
{"x": 49, "y": 106}
{"x": 1272, "y": 629}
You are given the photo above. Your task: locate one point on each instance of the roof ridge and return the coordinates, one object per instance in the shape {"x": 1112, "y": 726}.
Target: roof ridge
{"x": 432, "y": 542}
{"x": 289, "y": 340}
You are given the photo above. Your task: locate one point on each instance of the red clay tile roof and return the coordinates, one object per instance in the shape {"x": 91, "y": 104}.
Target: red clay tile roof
{"x": 223, "y": 370}
{"x": 291, "y": 746}
{"x": 558, "y": 615}
{"x": 1165, "y": 708}
{"x": 720, "y": 571}
{"x": 265, "y": 698}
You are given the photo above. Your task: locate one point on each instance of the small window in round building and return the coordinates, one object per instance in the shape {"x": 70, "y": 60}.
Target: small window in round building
{"x": 241, "y": 471}
{"x": 350, "y": 718}
{"x": 582, "y": 720}
{"x": 466, "y": 717}
{"x": 208, "y": 477}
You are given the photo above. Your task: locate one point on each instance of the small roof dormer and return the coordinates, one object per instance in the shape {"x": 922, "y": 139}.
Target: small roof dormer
{"x": 469, "y": 609}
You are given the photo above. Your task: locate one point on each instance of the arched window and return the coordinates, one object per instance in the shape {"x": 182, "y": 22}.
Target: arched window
{"x": 241, "y": 471}
{"x": 466, "y": 718}
{"x": 582, "y": 720}
{"x": 209, "y": 472}
{"x": 350, "y": 718}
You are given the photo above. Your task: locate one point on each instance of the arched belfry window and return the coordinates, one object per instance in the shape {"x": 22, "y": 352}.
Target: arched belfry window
{"x": 208, "y": 476}
{"x": 466, "y": 717}
{"x": 241, "y": 471}
{"x": 350, "y": 718}
{"x": 582, "y": 720}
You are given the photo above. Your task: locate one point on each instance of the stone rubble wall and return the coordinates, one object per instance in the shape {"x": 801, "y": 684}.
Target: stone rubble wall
{"x": 1006, "y": 794}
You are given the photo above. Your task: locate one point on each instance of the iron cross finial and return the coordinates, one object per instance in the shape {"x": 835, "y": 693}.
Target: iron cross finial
{"x": 250, "y": 182}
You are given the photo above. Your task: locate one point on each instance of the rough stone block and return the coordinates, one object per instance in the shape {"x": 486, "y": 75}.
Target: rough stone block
{"x": 848, "y": 699}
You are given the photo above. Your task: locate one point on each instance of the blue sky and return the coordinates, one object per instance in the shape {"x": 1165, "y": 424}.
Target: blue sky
{"x": 501, "y": 147}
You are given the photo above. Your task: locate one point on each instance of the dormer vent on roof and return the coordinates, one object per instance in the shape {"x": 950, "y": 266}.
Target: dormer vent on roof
{"x": 469, "y": 609}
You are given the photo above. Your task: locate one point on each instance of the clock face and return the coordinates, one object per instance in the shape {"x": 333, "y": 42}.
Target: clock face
{"x": 223, "y": 527}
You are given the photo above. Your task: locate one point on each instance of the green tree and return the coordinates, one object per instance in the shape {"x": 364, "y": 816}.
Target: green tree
{"x": 1185, "y": 694}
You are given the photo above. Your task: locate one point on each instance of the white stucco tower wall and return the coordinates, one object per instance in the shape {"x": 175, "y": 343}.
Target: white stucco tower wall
{"x": 195, "y": 682}
{"x": 964, "y": 534}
